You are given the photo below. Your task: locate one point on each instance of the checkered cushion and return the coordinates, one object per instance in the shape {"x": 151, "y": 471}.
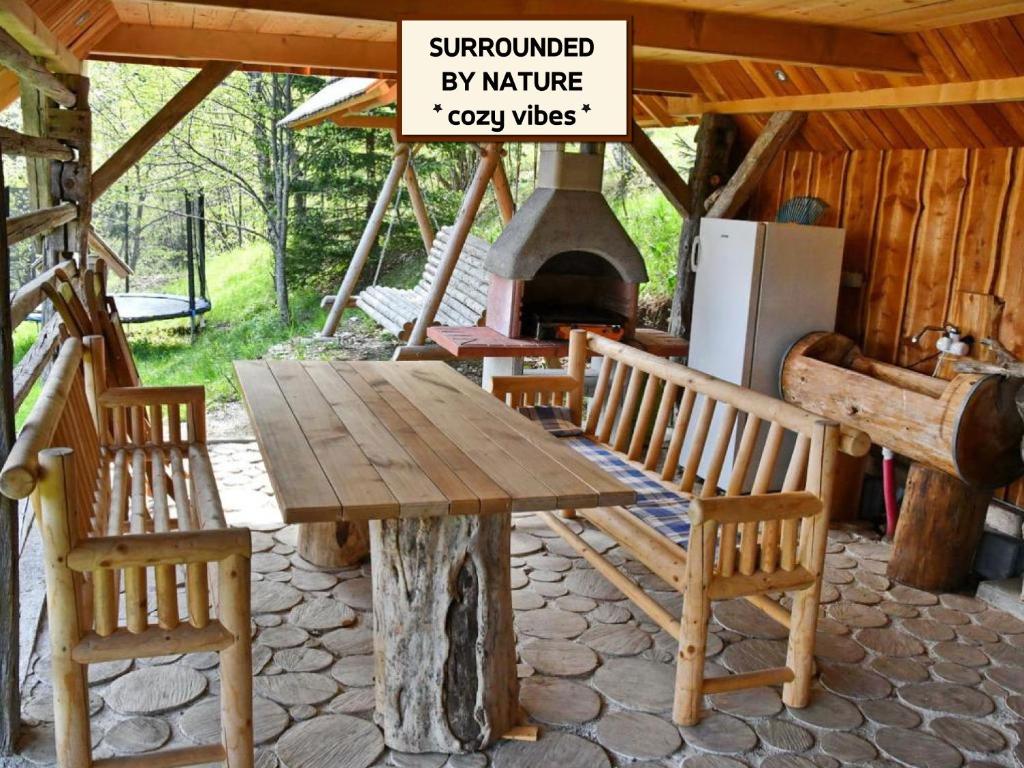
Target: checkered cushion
{"x": 670, "y": 520}
{"x": 648, "y": 490}
{"x": 556, "y": 419}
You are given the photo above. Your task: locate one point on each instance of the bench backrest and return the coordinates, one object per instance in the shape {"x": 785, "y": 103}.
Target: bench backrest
{"x": 465, "y": 299}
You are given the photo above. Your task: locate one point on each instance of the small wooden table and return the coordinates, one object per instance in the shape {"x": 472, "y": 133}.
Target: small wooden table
{"x": 436, "y": 464}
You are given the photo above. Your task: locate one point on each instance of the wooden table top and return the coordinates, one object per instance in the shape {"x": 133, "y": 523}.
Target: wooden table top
{"x": 371, "y": 440}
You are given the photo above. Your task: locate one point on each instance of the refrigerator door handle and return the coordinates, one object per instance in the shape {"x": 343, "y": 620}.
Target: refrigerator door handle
{"x": 695, "y": 254}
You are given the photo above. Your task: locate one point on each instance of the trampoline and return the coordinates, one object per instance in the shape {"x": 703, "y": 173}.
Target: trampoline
{"x": 150, "y": 307}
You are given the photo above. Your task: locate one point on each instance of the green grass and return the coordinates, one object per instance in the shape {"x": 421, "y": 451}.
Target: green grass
{"x": 243, "y": 324}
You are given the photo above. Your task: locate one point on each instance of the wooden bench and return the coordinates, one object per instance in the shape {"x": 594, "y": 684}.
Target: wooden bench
{"x": 465, "y": 300}
{"x": 706, "y": 541}
{"x": 124, "y": 493}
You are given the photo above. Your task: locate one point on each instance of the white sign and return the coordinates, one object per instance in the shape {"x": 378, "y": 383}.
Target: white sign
{"x": 495, "y": 80}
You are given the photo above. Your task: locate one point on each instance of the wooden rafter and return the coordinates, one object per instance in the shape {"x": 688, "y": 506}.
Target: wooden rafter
{"x": 660, "y": 170}
{"x": 733, "y": 196}
{"x": 366, "y": 121}
{"x": 991, "y": 91}
{"x": 139, "y": 42}
{"x": 654, "y": 26}
{"x": 14, "y": 57}
{"x": 22, "y": 24}
{"x": 183, "y": 102}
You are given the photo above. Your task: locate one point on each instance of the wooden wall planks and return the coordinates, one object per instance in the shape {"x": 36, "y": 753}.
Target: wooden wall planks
{"x": 922, "y": 224}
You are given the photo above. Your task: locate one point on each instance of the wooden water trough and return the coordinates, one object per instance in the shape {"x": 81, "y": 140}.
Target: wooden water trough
{"x": 964, "y": 436}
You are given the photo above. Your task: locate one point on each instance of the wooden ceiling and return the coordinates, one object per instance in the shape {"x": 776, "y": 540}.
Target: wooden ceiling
{"x": 690, "y": 55}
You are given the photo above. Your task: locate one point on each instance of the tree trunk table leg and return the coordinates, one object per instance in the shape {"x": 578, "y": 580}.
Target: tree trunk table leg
{"x": 443, "y": 637}
{"x": 334, "y": 545}
{"x": 941, "y": 522}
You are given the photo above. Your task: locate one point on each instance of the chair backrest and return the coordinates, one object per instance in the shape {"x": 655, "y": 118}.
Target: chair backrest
{"x": 121, "y": 368}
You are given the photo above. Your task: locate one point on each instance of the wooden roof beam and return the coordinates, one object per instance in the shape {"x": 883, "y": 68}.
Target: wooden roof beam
{"x": 654, "y": 26}
{"x": 15, "y": 58}
{"x": 660, "y": 171}
{"x": 169, "y": 115}
{"x": 21, "y": 23}
{"x": 992, "y": 91}
{"x": 138, "y": 42}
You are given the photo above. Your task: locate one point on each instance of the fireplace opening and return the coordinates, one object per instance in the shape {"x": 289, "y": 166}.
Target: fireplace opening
{"x": 577, "y": 289}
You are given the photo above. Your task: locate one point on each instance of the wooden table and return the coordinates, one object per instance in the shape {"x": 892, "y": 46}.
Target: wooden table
{"x": 436, "y": 464}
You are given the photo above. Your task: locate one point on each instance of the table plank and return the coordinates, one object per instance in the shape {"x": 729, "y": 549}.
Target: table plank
{"x": 610, "y": 491}
{"x": 417, "y": 495}
{"x": 461, "y": 499}
{"x": 303, "y": 492}
{"x": 525, "y": 490}
{"x": 428, "y": 388}
{"x": 359, "y": 488}
{"x": 492, "y": 497}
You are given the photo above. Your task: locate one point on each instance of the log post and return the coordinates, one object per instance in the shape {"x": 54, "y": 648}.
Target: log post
{"x": 715, "y": 139}
{"x": 334, "y": 545}
{"x": 502, "y": 192}
{"x": 10, "y": 701}
{"x": 419, "y": 207}
{"x": 941, "y": 522}
{"x": 443, "y": 637}
{"x": 368, "y": 240}
{"x": 73, "y": 126}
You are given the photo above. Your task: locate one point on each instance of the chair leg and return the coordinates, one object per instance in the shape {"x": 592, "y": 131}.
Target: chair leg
{"x": 236, "y": 663}
{"x": 800, "y": 653}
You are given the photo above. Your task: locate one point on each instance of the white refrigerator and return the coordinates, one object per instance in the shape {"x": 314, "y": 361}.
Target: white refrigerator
{"x": 760, "y": 286}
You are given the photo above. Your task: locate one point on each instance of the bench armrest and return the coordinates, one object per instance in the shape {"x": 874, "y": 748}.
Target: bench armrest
{"x": 144, "y": 396}
{"x": 755, "y": 508}
{"x": 146, "y": 550}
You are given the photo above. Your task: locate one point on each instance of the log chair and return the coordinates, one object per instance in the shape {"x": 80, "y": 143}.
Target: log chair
{"x": 91, "y": 489}
{"x": 709, "y": 544}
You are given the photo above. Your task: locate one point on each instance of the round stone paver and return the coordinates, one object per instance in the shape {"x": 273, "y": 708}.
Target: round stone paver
{"x": 590, "y": 583}
{"x": 918, "y": 749}
{"x": 889, "y": 712}
{"x": 712, "y": 761}
{"x": 784, "y": 735}
{"x": 956, "y": 673}
{"x": 1000, "y": 622}
{"x": 559, "y": 657}
{"x": 958, "y": 653}
{"x": 786, "y": 761}
{"x": 576, "y": 603}
{"x": 527, "y": 600}
{"x": 902, "y": 670}
{"x": 742, "y": 617}
{"x": 611, "y": 613}
{"x": 753, "y": 702}
{"x": 283, "y": 636}
{"x": 827, "y": 710}
{"x": 106, "y": 671}
{"x": 350, "y": 641}
{"x": 138, "y": 734}
{"x": 355, "y": 593}
{"x": 1011, "y": 678}
{"x": 929, "y": 630}
{"x": 720, "y": 733}
{"x": 354, "y": 701}
{"x": 969, "y": 735}
{"x": 546, "y": 562}
{"x": 312, "y": 581}
{"x": 890, "y": 643}
{"x": 552, "y": 749}
{"x": 855, "y": 683}
{"x": 525, "y": 544}
{"x": 616, "y": 639}
{"x": 558, "y": 701}
{"x": 847, "y": 747}
{"x": 638, "y": 735}
{"x": 322, "y": 613}
{"x": 354, "y": 671}
{"x": 518, "y": 578}
{"x": 201, "y": 722}
{"x": 293, "y": 688}
{"x": 303, "y": 659}
{"x": 754, "y": 655}
{"x": 550, "y": 624}
{"x": 647, "y": 686}
{"x": 269, "y": 562}
{"x": 261, "y": 656}
{"x": 857, "y": 615}
{"x": 964, "y": 603}
{"x": 910, "y": 596}
{"x": 413, "y": 760}
{"x": 331, "y": 741}
{"x": 950, "y": 698}
{"x": 837, "y": 648}
{"x": 153, "y": 690}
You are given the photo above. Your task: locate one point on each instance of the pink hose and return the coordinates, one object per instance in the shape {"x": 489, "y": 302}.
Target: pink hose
{"x": 892, "y": 512}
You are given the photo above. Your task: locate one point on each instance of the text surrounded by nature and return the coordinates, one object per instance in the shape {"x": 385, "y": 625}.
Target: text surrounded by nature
{"x": 506, "y": 79}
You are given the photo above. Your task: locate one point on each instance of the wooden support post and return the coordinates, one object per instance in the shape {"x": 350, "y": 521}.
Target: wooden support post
{"x": 715, "y": 139}
{"x": 73, "y": 127}
{"x": 10, "y": 701}
{"x": 502, "y": 192}
{"x": 31, "y": 72}
{"x": 367, "y": 241}
{"x": 444, "y": 644}
{"x": 941, "y": 522}
{"x": 183, "y": 102}
{"x": 41, "y": 191}
{"x": 334, "y": 545}
{"x": 776, "y": 134}
{"x": 419, "y": 207}
{"x": 489, "y": 158}
{"x": 660, "y": 171}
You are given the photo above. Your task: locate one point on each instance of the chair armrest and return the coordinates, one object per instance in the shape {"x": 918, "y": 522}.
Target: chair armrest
{"x": 143, "y": 396}
{"x": 755, "y": 508}
{"x": 151, "y": 549}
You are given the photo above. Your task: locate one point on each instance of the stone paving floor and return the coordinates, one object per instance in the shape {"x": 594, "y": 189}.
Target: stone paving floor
{"x": 907, "y": 677}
